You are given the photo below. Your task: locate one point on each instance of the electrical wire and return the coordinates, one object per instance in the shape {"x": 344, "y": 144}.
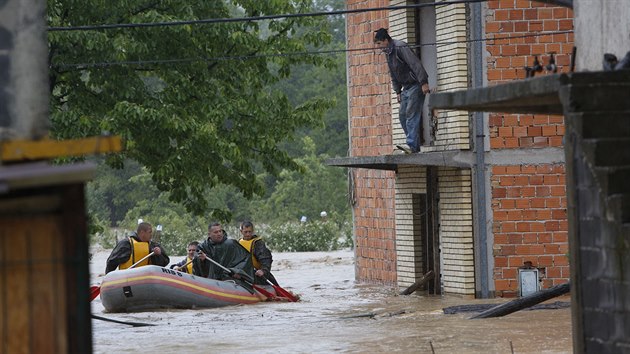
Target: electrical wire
{"x": 256, "y": 18}
{"x": 306, "y": 53}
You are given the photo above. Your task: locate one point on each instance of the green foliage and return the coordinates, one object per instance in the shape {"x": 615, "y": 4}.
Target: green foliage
{"x": 318, "y": 188}
{"x": 222, "y": 139}
{"x": 107, "y": 238}
{"x": 179, "y": 227}
{"x": 114, "y": 191}
{"x": 96, "y": 228}
{"x": 307, "y": 81}
{"x": 193, "y": 125}
{"x": 308, "y": 237}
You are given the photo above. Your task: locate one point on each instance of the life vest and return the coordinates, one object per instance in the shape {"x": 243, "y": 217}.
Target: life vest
{"x": 139, "y": 250}
{"x": 189, "y": 267}
{"x": 249, "y": 245}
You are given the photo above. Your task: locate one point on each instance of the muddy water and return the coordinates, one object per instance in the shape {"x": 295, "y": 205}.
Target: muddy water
{"x": 335, "y": 315}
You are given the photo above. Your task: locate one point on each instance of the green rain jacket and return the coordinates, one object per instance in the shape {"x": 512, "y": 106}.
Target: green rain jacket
{"x": 230, "y": 254}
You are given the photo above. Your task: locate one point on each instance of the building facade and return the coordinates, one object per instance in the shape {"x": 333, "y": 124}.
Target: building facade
{"x": 486, "y": 195}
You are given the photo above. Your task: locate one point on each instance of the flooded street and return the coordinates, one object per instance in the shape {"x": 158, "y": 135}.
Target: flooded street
{"x": 334, "y": 315}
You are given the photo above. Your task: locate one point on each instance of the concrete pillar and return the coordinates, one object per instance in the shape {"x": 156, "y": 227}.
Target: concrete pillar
{"x": 598, "y": 208}
{"x": 23, "y": 70}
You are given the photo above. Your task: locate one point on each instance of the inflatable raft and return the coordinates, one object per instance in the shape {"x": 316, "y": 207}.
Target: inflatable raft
{"x": 152, "y": 287}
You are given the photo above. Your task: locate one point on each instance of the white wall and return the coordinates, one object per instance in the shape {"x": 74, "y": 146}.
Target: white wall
{"x": 601, "y": 26}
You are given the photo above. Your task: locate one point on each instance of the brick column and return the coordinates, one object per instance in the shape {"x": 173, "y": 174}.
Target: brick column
{"x": 371, "y": 135}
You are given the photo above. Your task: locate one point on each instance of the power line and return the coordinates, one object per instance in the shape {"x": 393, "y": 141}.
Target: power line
{"x": 256, "y": 56}
{"x": 256, "y": 18}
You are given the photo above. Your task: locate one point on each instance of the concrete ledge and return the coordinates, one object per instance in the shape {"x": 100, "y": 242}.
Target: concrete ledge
{"x": 535, "y": 95}
{"x": 455, "y": 158}
{"x": 34, "y": 175}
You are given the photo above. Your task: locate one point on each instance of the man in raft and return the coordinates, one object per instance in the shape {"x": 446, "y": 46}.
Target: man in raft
{"x": 226, "y": 252}
{"x": 186, "y": 264}
{"x": 135, "y": 247}
{"x": 261, "y": 255}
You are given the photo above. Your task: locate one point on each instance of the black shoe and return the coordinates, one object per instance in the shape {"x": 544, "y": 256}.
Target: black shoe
{"x": 404, "y": 148}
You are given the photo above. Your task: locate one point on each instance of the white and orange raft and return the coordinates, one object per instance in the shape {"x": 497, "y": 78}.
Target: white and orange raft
{"x": 152, "y": 287}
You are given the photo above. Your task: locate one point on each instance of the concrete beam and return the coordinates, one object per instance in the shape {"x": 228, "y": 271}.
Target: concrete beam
{"x": 540, "y": 95}
{"x": 453, "y": 158}
{"x": 533, "y": 156}
{"x": 458, "y": 158}
{"x": 37, "y": 174}
{"x": 535, "y": 95}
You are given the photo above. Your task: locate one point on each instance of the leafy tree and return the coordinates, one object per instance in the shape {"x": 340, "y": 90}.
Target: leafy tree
{"x": 114, "y": 191}
{"x": 192, "y": 124}
{"x": 319, "y": 188}
{"x": 308, "y": 236}
{"x": 179, "y": 227}
{"x": 307, "y": 81}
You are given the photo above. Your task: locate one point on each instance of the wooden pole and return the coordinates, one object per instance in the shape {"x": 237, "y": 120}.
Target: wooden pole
{"x": 415, "y": 286}
{"x": 524, "y": 302}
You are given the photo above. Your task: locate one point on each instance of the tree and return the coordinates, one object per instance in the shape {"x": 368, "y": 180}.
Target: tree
{"x": 193, "y": 124}
{"x": 308, "y": 81}
{"x": 114, "y": 191}
{"x": 319, "y": 188}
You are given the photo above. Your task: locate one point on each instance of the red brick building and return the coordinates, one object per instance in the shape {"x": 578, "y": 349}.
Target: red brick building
{"x": 488, "y": 194}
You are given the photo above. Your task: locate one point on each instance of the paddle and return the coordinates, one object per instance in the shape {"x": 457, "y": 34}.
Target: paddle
{"x": 250, "y": 283}
{"x": 184, "y": 266}
{"x": 135, "y": 324}
{"x": 95, "y": 290}
{"x": 281, "y": 291}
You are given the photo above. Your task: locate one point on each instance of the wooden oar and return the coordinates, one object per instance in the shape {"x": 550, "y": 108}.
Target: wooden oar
{"x": 231, "y": 273}
{"x": 95, "y": 290}
{"x": 184, "y": 266}
{"x": 281, "y": 291}
{"x": 141, "y": 260}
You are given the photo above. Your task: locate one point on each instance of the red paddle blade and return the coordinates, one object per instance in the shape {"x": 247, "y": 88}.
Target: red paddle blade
{"x": 94, "y": 292}
{"x": 264, "y": 292}
{"x": 285, "y": 293}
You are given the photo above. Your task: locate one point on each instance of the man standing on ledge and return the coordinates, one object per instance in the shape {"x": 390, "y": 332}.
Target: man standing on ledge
{"x": 411, "y": 83}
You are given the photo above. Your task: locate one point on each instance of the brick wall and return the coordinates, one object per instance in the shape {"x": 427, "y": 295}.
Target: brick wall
{"x": 507, "y": 58}
{"x": 452, "y": 127}
{"x": 409, "y": 180}
{"x": 368, "y": 83}
{"x": 530, "y": 223}
{"x": 371, "y": 135}
{"x": 528, "y": 207}
{"x": 456, "y": 231}
{"x": 528, "y": 201}
{"x": 374, "y": 220}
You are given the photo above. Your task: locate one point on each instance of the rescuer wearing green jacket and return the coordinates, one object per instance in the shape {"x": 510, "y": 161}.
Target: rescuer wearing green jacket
{"x": 225, "y": 251}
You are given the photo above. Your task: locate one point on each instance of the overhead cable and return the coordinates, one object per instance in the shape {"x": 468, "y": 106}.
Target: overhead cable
{"x": 306, "y": 53}
{"x": 255, "y": 18}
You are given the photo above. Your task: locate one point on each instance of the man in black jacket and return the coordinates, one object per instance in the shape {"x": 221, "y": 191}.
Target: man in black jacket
{"x": 410, "y": 82}
{"x": 135, "y": 247}
{"x": 261, "y": 255}
{"x": 185, "y": 265}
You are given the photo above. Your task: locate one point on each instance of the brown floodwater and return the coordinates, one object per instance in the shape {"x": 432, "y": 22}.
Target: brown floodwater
{"x": 334, "y": 315}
